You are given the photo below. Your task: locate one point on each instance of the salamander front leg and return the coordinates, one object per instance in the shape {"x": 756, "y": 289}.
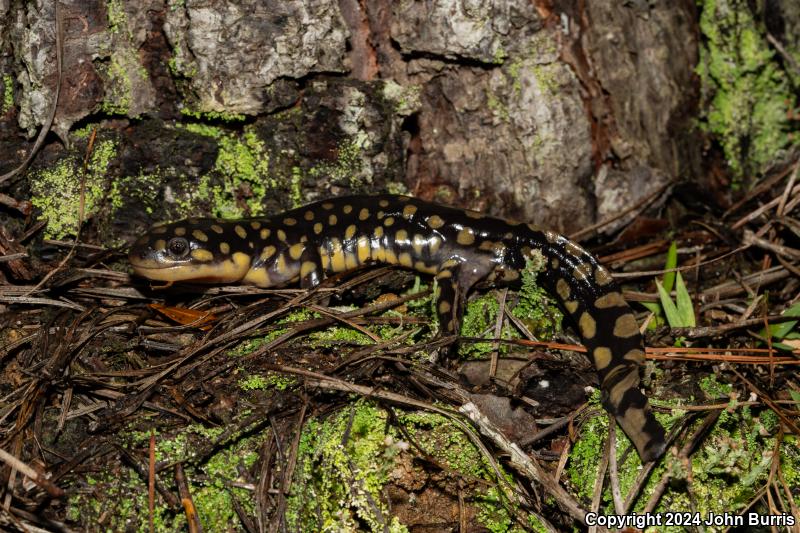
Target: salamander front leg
{"x": 455, "y": 279}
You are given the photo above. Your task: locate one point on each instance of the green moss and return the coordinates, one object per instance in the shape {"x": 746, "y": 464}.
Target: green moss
{"x": 57, "y": 191}
{"x": 115, "y": 12}
{"x": 442, "y": 440}
{"x": 496, "y": 106}
{"x": 713, "y": 388}
{"x": 406, "y": 100}
{"x": 348, "y": 163}
{"x": 547, "y": 78}
{"x": 337, "y": 335}
{"x": 727, "y": 472}
{"x": 253, "y": 382}
{"x": 514, "y": 73}
{"x": 243, "y": 164}
{"x": 499, "y": 56}
{"x": 296, "y": 184}
{"x": 222, "y": 116}
{"x": 534, "y": 308}
{"x": 279, "y": 382}
{"x": 345, "y": 462}
{"x": 119, "y": 87}
{"x": 205, "y": 130}
{"x": 748, "y": 94}
{"x": 214, "y": 497}
{"x": 248, "y": 346}
{"x": 8, "y": 93}
{"x": 124, "y": 504}
{"x": 338, "y": 481}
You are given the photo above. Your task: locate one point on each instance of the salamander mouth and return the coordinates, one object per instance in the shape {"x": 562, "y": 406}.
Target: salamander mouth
{"x": 159, "y": 272}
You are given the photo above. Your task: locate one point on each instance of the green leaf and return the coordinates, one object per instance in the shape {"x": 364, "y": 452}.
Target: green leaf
{"x": 795, "y": 395}
{"x": 672, "y": 262}
{"x": 684, "y": 301}
{"x": 671, "y": 312}
{"x": 658, "y": 319}
{"x": 782, "y": 329}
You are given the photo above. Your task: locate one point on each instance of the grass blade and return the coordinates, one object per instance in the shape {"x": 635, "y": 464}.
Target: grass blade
{"x": 685, "y": 307}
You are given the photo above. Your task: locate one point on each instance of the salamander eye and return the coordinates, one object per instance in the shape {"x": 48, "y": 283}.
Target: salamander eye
{"x": 178, "y": 246}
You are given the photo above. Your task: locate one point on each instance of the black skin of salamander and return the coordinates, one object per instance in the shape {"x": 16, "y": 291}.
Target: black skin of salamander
{"x": 460, "y": 248}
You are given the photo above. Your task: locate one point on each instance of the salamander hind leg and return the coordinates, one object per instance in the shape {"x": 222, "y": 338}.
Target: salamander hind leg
{"x": 311, "y": 273}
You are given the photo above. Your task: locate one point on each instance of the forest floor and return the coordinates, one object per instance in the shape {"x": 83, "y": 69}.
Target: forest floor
{"x": 242, "y": 409}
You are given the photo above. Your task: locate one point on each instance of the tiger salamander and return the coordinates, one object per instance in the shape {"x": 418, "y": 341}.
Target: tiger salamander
{"x": 458, "y": 247}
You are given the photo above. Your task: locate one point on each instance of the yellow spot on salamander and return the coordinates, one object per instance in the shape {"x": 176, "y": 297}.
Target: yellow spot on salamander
{"x": 363, "y": 248}
{"x": 307, "y": 268}
{"x": 404, "y": 259}
{"x": 332, "y": 220}
{"x": 258, "y": 277}
{"x": 327, "y": 206}
{"x": 296, "y": 250}
{"x": 444, "y": 307}
{"x": 636, "y": 355}
{"x": 160, "y": 244}
{"x": 265, "y": 233}
{"x": 626, "y": 326}
{"x": 444, "y": 274}
{"x": 281, "y": 235}
{"x": 587, "y": 325}
{"x": 602, "y": 357}
{"x": 324, "y": 258}
{"x": 435, "y": 221}
{"x": 612, "y": 299}
{"x": 158, "y": 230}
{"x": 240, "y": 231}
{"x": 309, "y": 215}
{"x": 180, "y": 231}
{"x": 216, "y": 228}
{"x": 418, "y": 243}
{"x": 582, "y": 272}
{"x": 384, "y": 203}
{"x": 289, "y": 221}
{"x": 435, "y": 244}
{"x": 450, "y": 263}
{"x": 280, "y": 265}
{"x": 202, "y": 255}
{"x": 378, "y": 232}
{"x": 401, "y": 237}
{"x": 350, "y": 232}
{"x": 350, "y": 261}
{"x": 562, "y": 288}
{"x": 338, "y": 263}
{"x": 255, "y": 225}
{"x": 571, "y": 306}
{"x": 225, "y": 248}
{"x": 420, "y": 266}
{"x": 602, "y": 276}
{"x": 363, "y": 214}
{"x": 388, "y": 222}
{"x": 347, "y": 209}
{"x": 465, "y": 237}
{"x": 408, "y": 211}
{"x": 199, "y": 235}
{"x": 473, "y": 214}
{"x": 573, "y": 249}
{"x": 267, "y": 252}
{"x": 318, "y": 228}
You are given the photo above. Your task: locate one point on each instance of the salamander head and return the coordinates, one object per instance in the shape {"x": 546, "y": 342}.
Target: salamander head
{"x": 200, "y": 250}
